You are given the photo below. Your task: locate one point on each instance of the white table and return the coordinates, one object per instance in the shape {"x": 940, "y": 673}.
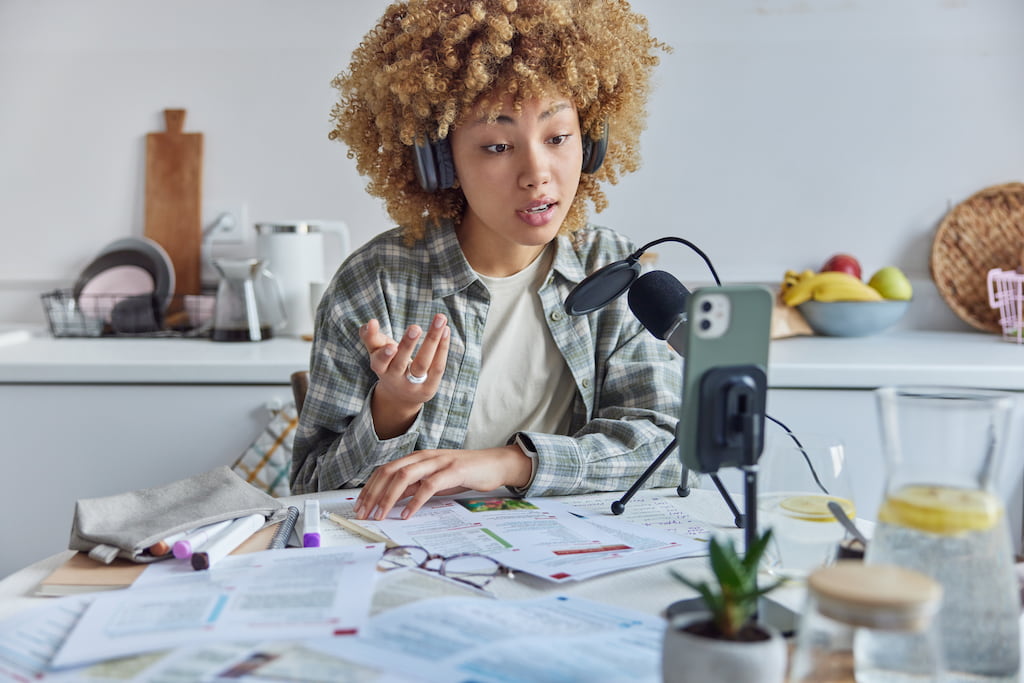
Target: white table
{"x": 647, "y": 589}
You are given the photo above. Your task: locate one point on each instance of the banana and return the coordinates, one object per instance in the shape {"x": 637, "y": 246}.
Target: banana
{"x": 828, "y": 286}
{"x": 843, "y": 291}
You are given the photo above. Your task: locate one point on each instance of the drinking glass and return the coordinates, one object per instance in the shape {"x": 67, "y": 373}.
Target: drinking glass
{"x": 799, "y": 475}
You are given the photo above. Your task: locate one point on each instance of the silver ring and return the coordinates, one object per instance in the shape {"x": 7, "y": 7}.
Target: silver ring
{"x": 414, "y": 379}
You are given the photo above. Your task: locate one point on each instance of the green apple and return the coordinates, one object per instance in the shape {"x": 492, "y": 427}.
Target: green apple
{"x": 891, "y": 283}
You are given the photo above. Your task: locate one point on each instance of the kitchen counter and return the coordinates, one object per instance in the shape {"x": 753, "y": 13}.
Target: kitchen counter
{"x": 39, "y": 357}
{"x": 895, "y": 357}
{"x": 965, "y": 359}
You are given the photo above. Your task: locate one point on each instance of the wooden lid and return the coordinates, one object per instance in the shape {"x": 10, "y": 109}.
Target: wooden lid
{"x": 984, "y": 231}
{"x": 875, "y": 595}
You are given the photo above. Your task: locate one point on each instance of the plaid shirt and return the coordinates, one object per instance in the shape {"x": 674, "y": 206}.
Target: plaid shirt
{"x": 628, "y": 383}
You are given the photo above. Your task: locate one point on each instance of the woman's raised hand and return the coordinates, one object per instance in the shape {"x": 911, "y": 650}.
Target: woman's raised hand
{"x": 406, "y": 381}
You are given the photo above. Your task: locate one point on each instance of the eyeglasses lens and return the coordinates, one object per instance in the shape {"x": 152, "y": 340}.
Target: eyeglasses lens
{"x": 476, "y": 569}
{"x": 402, "y": 556}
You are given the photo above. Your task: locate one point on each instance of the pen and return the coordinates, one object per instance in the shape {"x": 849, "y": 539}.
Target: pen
{"x": 195, "y": 539}
{"x": 311, "y": 524}
{"x": 360, "y": 530}
{"x": 227, "y": 540}
{"x": 284, "y": 531}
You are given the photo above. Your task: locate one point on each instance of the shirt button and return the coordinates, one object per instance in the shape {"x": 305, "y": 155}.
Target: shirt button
{"x": 586, "y": 383}
{"x": 557, "y": 315}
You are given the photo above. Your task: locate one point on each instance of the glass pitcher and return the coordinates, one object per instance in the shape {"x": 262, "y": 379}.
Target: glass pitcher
{"x": 249, "y": 304}
{"x": 941, "y": 516}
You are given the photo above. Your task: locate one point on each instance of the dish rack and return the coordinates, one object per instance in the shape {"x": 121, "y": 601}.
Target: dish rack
{"x": 1006, "y": 292}
{"x": 125, "y": 315}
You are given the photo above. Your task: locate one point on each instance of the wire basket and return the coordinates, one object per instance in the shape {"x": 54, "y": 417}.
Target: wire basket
{"x": 126, "y": 315}
{"x": 1006, "y": 292}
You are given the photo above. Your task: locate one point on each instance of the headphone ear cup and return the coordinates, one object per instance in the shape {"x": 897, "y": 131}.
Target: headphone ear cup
{"x": 445, "y": 164}
{"x": 594, "y": 150}
{"x": 435, "y": 168}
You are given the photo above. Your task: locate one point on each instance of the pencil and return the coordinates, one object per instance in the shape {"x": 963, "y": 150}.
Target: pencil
{"x": 360, "y": 530}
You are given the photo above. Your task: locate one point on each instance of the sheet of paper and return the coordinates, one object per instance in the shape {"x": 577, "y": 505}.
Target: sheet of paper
{"x": 644, "y": 508}
{"x": 290, "y": 593}
{"x": 458, "y": 639}
{"x": 30, "y": 639}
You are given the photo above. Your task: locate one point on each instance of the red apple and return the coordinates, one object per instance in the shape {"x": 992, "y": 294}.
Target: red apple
{"x": 843, "y": 263}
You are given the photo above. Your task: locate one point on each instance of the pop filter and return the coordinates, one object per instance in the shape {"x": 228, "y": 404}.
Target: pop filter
{"x": 603, "y": 286}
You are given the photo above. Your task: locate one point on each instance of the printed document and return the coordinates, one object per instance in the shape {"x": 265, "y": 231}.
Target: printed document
{"x": 286, "y": 594}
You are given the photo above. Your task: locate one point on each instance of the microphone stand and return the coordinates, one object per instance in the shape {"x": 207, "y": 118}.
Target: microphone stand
{"x": 683, "y": 490}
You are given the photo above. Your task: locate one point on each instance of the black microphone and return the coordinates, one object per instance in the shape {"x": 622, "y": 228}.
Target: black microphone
{"x": 658, "y": 300}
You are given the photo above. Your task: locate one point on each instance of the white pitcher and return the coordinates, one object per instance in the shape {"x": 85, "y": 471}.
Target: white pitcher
{"x": 295, "y": 252}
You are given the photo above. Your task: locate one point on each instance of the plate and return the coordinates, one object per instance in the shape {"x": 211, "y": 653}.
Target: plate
{"x": 121, "y": 269}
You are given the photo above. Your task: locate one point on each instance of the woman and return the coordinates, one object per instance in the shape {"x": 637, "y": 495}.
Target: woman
{"x": 443, "y": 360}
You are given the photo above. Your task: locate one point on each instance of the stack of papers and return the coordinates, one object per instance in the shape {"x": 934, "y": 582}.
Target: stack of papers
{"x": 542, "y": 537}
{"x": 286, "y": 594}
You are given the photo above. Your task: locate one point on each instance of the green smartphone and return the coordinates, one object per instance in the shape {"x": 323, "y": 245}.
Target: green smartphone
{"x": 724, "y": 376}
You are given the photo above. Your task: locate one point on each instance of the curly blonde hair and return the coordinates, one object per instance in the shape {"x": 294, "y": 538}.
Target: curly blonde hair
{"x": 429, "y": 62}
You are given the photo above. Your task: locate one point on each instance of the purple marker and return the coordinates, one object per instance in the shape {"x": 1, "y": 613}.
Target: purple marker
{"x": 311, "y": 524}
{"x": 194, "y": 540}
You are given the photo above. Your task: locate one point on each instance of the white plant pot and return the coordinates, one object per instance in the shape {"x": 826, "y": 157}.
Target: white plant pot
{"x": 689, "y": 658}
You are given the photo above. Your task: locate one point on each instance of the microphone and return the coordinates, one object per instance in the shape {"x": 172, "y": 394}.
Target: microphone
{"x": 658, "y": 300}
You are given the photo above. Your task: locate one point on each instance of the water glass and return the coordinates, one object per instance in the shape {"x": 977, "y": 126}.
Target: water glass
{"x": 799, "y": 475}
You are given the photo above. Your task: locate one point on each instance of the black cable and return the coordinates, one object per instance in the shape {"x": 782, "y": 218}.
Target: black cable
{"x": 707, "y": 261}
{"x": 803, "y": 452}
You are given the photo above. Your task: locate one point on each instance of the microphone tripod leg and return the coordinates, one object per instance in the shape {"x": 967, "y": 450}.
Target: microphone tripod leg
{"x": 619, "y": 506}
{"x": 739, "y": 519}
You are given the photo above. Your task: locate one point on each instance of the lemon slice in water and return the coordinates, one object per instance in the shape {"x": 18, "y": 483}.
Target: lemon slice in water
{"x": 942, "y": 510}
{"x": 812, "y": 508}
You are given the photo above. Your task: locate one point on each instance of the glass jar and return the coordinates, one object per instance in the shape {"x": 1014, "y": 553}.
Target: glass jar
{"x": 869, "y": 623}
{"x": 945, "y": 450}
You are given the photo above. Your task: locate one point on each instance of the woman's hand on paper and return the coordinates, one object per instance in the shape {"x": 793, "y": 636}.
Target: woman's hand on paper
{"x": 423, "y": 474}
{"x": 406, "y": 382}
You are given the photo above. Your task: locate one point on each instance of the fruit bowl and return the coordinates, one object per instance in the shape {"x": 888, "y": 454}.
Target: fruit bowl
{"x": 852, "y": 318}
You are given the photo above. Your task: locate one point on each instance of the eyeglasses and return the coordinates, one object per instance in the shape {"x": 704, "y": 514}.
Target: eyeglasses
{"x": 471, "y": 568}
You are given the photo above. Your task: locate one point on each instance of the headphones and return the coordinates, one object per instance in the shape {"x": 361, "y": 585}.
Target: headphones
{"x": 436, "y": 171}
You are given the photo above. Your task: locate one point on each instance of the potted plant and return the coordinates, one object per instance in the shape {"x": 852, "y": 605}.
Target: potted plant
{"x": 726, "y": 643}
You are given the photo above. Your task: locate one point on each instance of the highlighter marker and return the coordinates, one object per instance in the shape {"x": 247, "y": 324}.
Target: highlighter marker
{"x": 311, "y": 524}
{"x": 227, "y": 540}
{"x": 195, "y": 539}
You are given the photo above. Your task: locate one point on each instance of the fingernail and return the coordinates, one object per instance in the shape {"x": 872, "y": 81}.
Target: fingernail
{"x": 447, "y": 331}
{"x": 359, "y": 511}
{"x": 438, "y": 321}
{"x": 413, "y": 332}
{"x": 389, "y": 350}
{"x": 405, "y": 513}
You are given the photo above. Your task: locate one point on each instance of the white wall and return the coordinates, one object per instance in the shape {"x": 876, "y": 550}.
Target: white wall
{"x": 781, "y": 130}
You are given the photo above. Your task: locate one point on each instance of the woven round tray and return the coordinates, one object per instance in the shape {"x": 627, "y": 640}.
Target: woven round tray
{"x": 984, "y": 231}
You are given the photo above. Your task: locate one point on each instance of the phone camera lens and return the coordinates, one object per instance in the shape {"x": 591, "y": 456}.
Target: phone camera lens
{"x": 705, "y": 306}
{"x": 705, "y": 324}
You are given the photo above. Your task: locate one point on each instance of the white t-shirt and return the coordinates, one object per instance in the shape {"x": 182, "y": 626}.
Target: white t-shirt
{"x": 525, "y": 384}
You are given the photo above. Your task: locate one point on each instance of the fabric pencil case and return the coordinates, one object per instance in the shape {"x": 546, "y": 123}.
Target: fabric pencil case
{"x": 127, "y": 524}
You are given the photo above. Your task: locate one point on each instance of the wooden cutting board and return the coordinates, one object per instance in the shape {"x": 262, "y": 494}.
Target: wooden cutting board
{"x": 174, "y": 179}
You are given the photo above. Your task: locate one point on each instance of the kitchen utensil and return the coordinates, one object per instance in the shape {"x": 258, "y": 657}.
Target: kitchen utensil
{"x": 844, "y": 519}
{"x": 249, "y": 305}
{"x": 984, "y": 231}
{"x": 174, "y": 165}
{"x": 294, "y": 251}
